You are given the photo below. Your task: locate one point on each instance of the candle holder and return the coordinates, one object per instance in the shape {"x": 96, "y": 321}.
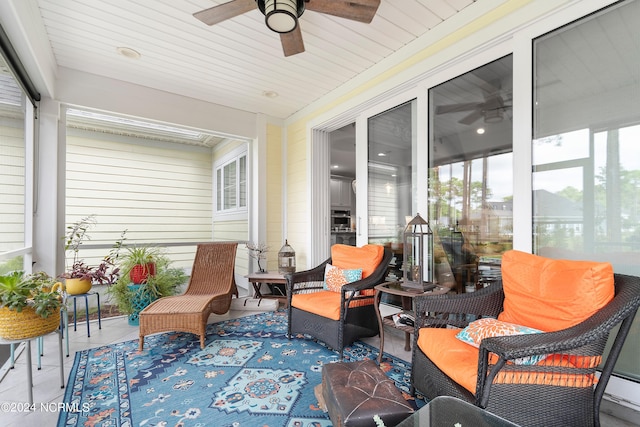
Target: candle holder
{"x": 286, "y": 259}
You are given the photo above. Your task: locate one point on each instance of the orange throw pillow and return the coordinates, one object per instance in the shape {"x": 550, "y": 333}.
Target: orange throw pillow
{"x": 550, "y": 294}
{"x": 367, "y": 257}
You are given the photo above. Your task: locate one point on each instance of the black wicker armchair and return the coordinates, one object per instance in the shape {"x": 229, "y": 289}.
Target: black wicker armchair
{"x": 357, "y": 316}
{"x": 555, "y": 393}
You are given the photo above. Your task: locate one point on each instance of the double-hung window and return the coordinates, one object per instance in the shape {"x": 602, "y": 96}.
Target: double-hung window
{"x": 231, "y": 184}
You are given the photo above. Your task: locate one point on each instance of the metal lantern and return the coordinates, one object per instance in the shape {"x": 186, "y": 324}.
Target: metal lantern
{"x": 286, "y": 259}
{"x": 417, "y": 257}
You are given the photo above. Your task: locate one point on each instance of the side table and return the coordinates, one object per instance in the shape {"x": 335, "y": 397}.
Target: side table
{"x": 406, "y": 294}
{"x": 86, "y": 306}
{"x": 257, "y": 279}
{"x": 29, "y": 367}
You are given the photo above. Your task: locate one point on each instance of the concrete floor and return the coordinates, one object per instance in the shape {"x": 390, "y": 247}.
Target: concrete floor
{"x": 46, "y": 381}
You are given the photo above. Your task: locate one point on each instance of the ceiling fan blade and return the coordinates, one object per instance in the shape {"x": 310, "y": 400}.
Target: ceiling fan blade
{"x": 455, "y": 108}
{"x": 292, "y": 42}
{"x": 489, "y": 87}
{"x": 493, "y": 103}
{"x": 467, "y": 120}
{"x": 356, "y": 10}
{"x": 225, "y": 11}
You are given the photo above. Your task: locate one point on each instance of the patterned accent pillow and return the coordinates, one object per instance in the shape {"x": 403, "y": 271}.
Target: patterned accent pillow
{"x": 479, "y": 329}
{"x": 335, "y": 277}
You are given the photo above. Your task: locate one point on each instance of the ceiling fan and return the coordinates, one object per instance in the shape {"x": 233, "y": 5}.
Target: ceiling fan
{"x": 491, "y": 110}
{"x": 282, "y": 16}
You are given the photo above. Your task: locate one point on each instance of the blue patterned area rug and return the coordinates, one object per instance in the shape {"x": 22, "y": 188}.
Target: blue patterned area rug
{"x": 249, "y": 374}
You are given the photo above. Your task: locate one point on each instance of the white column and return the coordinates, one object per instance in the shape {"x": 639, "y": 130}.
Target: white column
{"x": 48, "y": 176}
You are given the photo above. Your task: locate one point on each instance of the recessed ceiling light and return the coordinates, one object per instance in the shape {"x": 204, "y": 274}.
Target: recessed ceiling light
{"x": 128, "y": 52}
{"x": 382, "y": 154}
{"x": 270, "y": 94}
{"x": 335, "y": 166}
{"x": 480, "y": 131}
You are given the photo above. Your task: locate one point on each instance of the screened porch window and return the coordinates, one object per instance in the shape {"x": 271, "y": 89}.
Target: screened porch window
{"x": 231, "y": 185}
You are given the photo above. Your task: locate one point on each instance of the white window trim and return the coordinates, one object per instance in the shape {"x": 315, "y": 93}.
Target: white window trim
{"x": 240, "y": 212}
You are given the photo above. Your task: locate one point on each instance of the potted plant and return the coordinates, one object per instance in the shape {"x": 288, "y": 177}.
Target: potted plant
{"x": 79, "y": 276}
{"x": 29, "y": 305}
{"x": 258, "y": 251}
{"x": 140, "y": 263}
{"x": 131, "y": 297}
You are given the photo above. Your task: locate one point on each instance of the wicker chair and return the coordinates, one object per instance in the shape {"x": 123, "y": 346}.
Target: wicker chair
{"x": 357, "y": 317}
{"x": 552, "y": 394}
{"x": 211, "y": 287}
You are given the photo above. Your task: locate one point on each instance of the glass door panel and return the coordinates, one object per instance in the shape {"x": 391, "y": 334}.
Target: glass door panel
{"x": 391, "y": 179}
{"x": 586, "y": 156}
{"x": 470, "y": 175}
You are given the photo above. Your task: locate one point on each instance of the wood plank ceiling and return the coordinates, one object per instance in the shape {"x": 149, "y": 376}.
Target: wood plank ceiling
{"x": 236, "y": 63}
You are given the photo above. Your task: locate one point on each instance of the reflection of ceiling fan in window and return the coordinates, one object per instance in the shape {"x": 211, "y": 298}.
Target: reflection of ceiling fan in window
{"x": 491, "y": 110}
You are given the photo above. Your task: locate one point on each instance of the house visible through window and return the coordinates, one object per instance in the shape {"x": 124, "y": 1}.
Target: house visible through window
{"x": 231, "y": 185}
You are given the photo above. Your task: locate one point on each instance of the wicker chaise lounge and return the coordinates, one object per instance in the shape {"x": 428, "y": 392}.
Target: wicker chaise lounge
{"x": 211, "y": 287}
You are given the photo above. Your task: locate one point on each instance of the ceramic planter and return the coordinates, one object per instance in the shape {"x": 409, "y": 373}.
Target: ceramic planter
{"x": 77, "y": 286}
{"x": 140, "y": 272}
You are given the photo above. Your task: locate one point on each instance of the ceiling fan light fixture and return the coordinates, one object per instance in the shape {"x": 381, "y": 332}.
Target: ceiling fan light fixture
{"x": 493, "y": 116}
{"x": 281, "y": 16}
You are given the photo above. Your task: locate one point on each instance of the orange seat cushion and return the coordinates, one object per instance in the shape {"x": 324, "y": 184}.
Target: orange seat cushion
{"x": 455, "y": 358}
{"x": 367, "y": 257}
{"x": 550, "y": 294}
{"x": 459, "y": 361}
{"x": 326, "y": 303}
